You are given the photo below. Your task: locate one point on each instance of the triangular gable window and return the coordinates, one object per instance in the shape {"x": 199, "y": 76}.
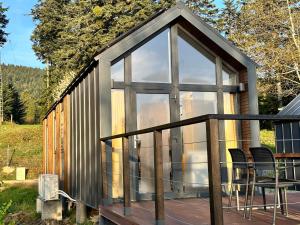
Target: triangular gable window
{"x": 195, "y": 65}
{"x": 151, "y": 61}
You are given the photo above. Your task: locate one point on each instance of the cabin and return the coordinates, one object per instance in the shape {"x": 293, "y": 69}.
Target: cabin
{"x": 170, "y": 68}
{"x": 288, "y": 138}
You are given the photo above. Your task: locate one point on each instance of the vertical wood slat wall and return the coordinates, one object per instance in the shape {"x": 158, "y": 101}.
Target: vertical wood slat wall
{"x": 72, "y": 149}
{"x": 57, "y": 134}
{"x": 56, "y": 139}
{"x": 44, "y": 145}
{"x": 244, "y": 109}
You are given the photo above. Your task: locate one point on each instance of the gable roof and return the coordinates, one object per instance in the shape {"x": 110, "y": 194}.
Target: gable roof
{"x": 160, "y": 20}
{"x": 149, "y": 27}
{"x": 293, "y": 108}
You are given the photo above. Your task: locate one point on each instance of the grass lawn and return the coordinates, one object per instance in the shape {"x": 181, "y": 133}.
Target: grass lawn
{"x": 22, "y": 199}
{"x": 23, "y": 206}
{"x": 267, "y": 139}
{"x": 25, "y": 147}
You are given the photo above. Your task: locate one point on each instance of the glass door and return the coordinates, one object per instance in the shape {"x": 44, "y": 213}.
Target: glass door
{"x": 152, "y": 110}
{"x": 195, "y": 170}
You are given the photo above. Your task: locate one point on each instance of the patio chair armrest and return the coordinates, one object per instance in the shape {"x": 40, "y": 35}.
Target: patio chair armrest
{"x": 285, "y": 167}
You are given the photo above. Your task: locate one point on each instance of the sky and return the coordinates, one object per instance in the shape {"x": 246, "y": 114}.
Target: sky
{"x": 18, "y": 49}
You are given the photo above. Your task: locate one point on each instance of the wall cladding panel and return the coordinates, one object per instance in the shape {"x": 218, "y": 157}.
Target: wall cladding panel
{"x": 72, "y": 150}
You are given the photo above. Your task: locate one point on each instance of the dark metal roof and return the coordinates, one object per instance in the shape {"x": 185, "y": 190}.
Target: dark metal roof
{"x": 293, "y": 108}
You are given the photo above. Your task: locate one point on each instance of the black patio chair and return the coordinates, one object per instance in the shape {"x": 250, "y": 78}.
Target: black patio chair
{"x": 240, "y": 175}
{"x": 266, "y": 175}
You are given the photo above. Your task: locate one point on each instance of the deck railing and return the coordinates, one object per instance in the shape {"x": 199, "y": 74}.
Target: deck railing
{"x": 213, "y": 161}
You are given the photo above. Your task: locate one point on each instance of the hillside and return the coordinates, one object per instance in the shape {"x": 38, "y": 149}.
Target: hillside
{"x": 25, "y": 144}
{"x": 29, "y": 83}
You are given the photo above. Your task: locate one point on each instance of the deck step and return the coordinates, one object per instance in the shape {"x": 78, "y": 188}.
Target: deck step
{"x": 115, "y": 217}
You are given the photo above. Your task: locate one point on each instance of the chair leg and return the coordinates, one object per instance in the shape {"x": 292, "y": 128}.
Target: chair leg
{"x": 246, "y": 195}
{"x": 286, "y": 202}
{"x": 231, "y": 188}
{"x": 237, "y": 197}
{"x": 264, "y": 198}
{"x": 275, "y": 199}
{"x": 230, "y": 195}
{"x": 252, "y": 196}
{"x": 281, "y": 201}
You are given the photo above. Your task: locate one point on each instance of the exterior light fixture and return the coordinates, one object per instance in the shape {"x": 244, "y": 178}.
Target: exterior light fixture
{"x": 242, "y": 87}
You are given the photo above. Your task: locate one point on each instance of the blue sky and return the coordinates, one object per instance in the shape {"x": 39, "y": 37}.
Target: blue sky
{"x": 18, "y": 49}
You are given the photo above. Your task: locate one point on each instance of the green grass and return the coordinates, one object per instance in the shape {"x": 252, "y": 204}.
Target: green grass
{"x": 25, "y": 144}
{"x": 267, "y": 139}
{"x": 23, "y": 198}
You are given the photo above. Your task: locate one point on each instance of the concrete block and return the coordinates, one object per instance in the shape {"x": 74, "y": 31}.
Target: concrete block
{"x": 20, "y": 173}
{"x": 81, "y": 214}
{"x": 52, "y": 210}
{"x": 39, "y": 205}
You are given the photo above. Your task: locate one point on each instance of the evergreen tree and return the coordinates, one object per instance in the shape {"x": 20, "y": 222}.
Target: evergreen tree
{"x": 228, "y": 17}
{"x": 3, "y": 23}
{"x": 30, "y": 85}
{"x": 12, "y": 104}
{"x": 49, "y": 16}
{"x": 69, "y": 33}
{"x": 206, "y": 9}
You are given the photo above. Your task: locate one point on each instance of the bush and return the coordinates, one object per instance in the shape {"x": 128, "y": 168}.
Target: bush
{"x": 4, "y": 210}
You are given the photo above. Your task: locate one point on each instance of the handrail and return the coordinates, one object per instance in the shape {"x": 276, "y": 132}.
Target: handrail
{"x": 200, "y": 119}
{"x": 213, "y": 161}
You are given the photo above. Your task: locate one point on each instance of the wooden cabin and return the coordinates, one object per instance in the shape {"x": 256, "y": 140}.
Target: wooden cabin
{"x": 171, "y": 67}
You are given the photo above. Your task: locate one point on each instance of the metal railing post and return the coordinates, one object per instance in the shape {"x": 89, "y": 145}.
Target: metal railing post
{"x": 126, "y": 176}
{"x": 105, "y": 195}
{"x": 159, "y": 175}
{"x": 214, "y": 172}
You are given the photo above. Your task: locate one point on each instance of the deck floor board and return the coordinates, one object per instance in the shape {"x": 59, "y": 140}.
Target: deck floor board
{"x": 196, "y": 211}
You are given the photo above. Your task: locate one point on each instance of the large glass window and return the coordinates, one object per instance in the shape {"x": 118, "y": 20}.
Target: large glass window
{"x": 152, "y": 110}
{"x": 229, "y": 78}
{"x": 194, "y": 137}
{"x": 117, "y": 71}
{"x": 151, "y": 62}
{"x": 230, "y": 127}
{"x": 118, "y": 127}
{"x": 194, "y": 66}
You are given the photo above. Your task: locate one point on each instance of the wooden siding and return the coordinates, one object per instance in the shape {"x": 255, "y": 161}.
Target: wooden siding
{"x": 66, "y": 142}
{"x": 56, "y": 143}
{"x": 50, "y": 144}
{"x": 71, "y": 141}
{"x": 244, "y": 109}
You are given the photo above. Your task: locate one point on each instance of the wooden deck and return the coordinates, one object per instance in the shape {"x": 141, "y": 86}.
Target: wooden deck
{"x": 196, "y": 211}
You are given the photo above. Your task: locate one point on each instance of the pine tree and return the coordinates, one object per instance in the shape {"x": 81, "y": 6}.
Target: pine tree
{"x": 206, "y": 9}
{"x": 69, "y": 33}
{"x": 49, "y": 16}
{"x": 3, "y": 23}
{"x": 12, "y": 103}
{"x": 228, "y": 17}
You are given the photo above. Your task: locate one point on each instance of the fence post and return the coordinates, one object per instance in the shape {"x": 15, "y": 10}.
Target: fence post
{"x": 159, "y": 175}
{"x": 214, "y": 173}
{"x": 126, "y": 176}
{"x": 105, "y": 199}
